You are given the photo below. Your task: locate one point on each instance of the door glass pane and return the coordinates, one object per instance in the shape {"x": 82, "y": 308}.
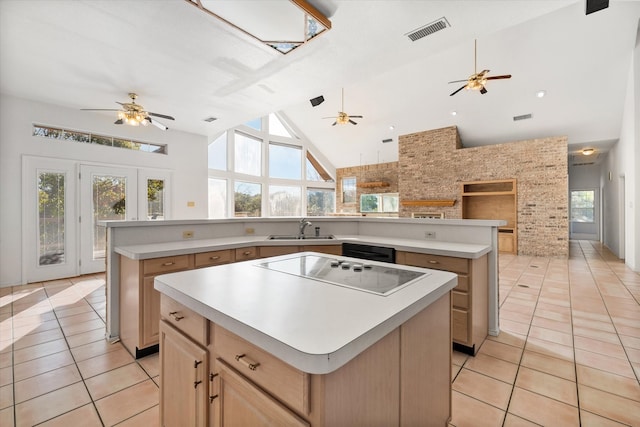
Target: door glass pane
{"x": 284, "y": 200}
{"x": 51, "y": 218}
{"x": 217, "y": 198}
{"x": 349, "y": 190}
{"x": 155, "y": 198}
{"x": 248, "y": 199}
{"x": 320, "y": 201}
{"x": 109, "y": 203}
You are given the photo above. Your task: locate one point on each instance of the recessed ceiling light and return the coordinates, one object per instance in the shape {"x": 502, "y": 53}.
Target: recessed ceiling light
{"x": 541, "y": 93}
{"x": 392, "y": 127}
{"x": 454, "y": 113}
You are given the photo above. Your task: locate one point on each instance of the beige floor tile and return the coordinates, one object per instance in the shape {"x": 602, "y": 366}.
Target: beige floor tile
{"x": 596, "y": 334}
{"x": 151, "y": 364}
{"x": 529, "y": 405}
{"x": 44, "y": 383}
{"x": 41, "y": 365}
{"x": 611, "y": 383}
{"x": 628, "y": 330}
{"x": 483, "y": 388}
{"x": 593, "y": 324}
{"x": 550, "y": 365}
{"x": 513, "y": 326}
{"x": 455, "y": 370}
{"x": 587, "y": 419}
{"x": 86, "y": 338}
{"x": 76, "y": 315}
{"x": 39, "y": 350}
{"x": 85, "y": 416}
{"x": 458, "y": 358}
{"x": 601, "y": 347}
{"x": 551, "y": 335}
{"x": 551, "y": 349}
{"x": 514, "y": 316}
{"x": 467, "y": 411}
{"x": 77, "y": 328}
{"x": 6, "y": 396}
{"x": 604, "y": 363}
{"x": 38, "y": 338}
{"x": 510, "y": 338}
{"x": 501, "y": 351}
{"x": 630, "y": 342}
{"x": 609, "y": 405}
{"x": 547, "y": 385}
{"x": 554, "y": 325}
{"x": 512, "y": 421}
{"x": 103, "y": 363}
{"x": 493, "y": 367}
{"x": 6, "y": 376}
{"x": 128, "y": 402}
{"x": 6, "y": 417}
{"x": 115, "y": 380}
{"x": 94, "y": 349}
{"x": 148, "y": 418}
{"x": 51, "y": 405}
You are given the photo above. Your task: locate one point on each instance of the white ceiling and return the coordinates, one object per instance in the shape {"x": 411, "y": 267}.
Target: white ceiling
{"x": 185, "y": 63}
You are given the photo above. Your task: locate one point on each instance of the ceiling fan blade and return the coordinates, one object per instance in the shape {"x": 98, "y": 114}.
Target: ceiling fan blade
{"x": 352, "y": 122}
{"x": 162, "y": 116}
{"x": 357, "y": 117}
{"x": 459, "y": 81}
{"x": 483, "y": 90}
{"x": 334, "y": 123}
{"x": 118, "y": 122}
{"x": 505, "y": 76}
{"x": 458, "y": 90}
{"x": 157, "y": 124}
{"x": 332, "y": 117}
{"x": 98, "y": 109}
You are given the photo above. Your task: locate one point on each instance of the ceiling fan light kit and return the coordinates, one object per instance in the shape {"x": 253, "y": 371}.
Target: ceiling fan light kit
{"x": 134, "y": 114}
{"x": 343, "y": 118}
{"x": 477, "y": 81}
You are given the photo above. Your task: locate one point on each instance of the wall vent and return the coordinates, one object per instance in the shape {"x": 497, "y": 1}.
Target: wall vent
{"x": 427, "y": 30}
{"x": 522, "y": 117}
{"x": 210, "y": 119}
{"x": 384, "y": 141}
{"x": 584, "y": 164}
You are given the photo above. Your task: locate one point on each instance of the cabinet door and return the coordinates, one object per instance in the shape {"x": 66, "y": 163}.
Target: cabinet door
{"x": 242, "y": 403}
{"x": 150, "y": 330}
{"x": 183, "y": 383}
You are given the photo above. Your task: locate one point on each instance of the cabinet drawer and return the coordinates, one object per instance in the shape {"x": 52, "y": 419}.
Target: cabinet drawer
{"x": 325, "y": 249}
{"x": 460, "y": 320}
{"x": 184, "y": 319}
{"x": 460, "y": 299}
{"x": 267, "y": 251}
{"x": 206, "y": 259}
{"x": 165, "y": 264}
{"x": 243, "y": 254}
{"x": 437, "y": 262}
{"x": 288, "y": 384}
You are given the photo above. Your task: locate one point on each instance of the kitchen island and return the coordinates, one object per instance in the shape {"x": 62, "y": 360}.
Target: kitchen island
{"x": 269, "y": 345}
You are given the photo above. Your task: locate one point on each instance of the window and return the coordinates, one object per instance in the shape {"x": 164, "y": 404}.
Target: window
{"x": 320, "y": 201}
{"x": 51, "y": 218}
{"x": 217, "y": 154}
{"x": 247, "y": 199}
{"x": 349, "y": 190}
{"x": 583, "y": 205}
{"x": 248, "y": 155}
{"x": 217, "y": 198}
{"x": 255, "y": 124}
{"x": 155, "y": 198}
{"x": 284, "y": 200}
{"x": 276, "y": 127}
{"x": 88, "y": 138}
{"x": 385, "y": 202}
{"x": 285, "y": 161}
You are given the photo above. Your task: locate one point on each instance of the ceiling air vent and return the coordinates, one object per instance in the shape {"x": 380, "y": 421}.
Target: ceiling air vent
{"x": 427, "y": 30}
{"x": 210, "y": 119}
{"x": 522, "y": 117}
{"x": 385, "y": 141}
{"x": 584, "y": 164}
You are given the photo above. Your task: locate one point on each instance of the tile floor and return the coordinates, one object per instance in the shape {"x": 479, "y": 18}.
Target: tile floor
{"x": 568, "y": 353}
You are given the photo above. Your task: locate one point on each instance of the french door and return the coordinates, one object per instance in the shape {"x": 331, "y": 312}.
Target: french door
{"x": 64, "y": 201}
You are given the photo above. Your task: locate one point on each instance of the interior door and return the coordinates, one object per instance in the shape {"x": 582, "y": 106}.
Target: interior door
{"x": 49, "y": 223}
{"x": 106, "y": 193}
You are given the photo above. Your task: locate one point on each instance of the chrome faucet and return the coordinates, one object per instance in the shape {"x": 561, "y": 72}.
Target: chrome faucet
{"x": 303, "y": 224}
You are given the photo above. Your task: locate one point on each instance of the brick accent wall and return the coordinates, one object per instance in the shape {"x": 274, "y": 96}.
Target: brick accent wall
{"x": 386, "y": 172}
{"x": 432, "y": 164}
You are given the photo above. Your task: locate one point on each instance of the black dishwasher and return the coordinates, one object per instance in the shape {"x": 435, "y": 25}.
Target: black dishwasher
{"x": 373, "y": 253}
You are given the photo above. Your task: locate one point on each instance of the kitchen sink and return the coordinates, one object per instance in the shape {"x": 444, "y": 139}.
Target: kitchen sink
{"x": 294, "y": 237}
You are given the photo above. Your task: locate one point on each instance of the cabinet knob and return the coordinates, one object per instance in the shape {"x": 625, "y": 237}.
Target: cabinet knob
{"x": 246, "y": 253}
{"x": 167, "y": 264}
{"x": 176, "y": 316}
{"x": 433, "y": 262}
{"x": 246, "y": 362}
{"x": 213, "y": 258}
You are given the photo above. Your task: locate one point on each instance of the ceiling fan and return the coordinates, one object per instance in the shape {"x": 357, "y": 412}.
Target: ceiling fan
{"x": 134, "y": 114}
{"x": 477, "y": 81}
{"x": 343, "y": 118}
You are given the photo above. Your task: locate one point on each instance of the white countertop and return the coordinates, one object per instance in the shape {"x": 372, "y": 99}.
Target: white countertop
{"x": 155, "y": 250}
{"x": 314, "y": 326}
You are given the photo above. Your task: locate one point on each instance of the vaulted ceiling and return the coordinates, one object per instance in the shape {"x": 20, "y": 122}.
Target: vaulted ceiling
{"x": 185, "y": 63}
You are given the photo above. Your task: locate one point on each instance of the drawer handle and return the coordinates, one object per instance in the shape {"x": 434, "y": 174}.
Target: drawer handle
{"x": 246, "y": 253}
{"x": 211, "y": 377}
{"x": 176, "y": 316}
{"x": 213, "y": 258}
{"x": 251, "y": 365}
{"x": 433, "y": 262}
{"x": 196, "y": 382}
{"x": 167, "y": 264}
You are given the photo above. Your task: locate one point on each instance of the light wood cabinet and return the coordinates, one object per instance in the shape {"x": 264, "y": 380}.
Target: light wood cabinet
{"x": 324, "y": 249}
{"x": 245, "y": 254}
{"x": 267, "y": 251}
{"x": 494, "y": 200}
{"x": 404, "y": 379}
{"x": 470, "y": 298}
{"x": 140, "y": 302}
{"x": 184, "y": 366}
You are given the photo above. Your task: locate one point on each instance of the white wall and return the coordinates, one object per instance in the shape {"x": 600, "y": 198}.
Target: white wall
{"x": 186, "y": 159}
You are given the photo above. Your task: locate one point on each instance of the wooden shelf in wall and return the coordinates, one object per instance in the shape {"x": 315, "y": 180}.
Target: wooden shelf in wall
{"x": 373, "y": 184}
{"x": 431, "y": 202}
